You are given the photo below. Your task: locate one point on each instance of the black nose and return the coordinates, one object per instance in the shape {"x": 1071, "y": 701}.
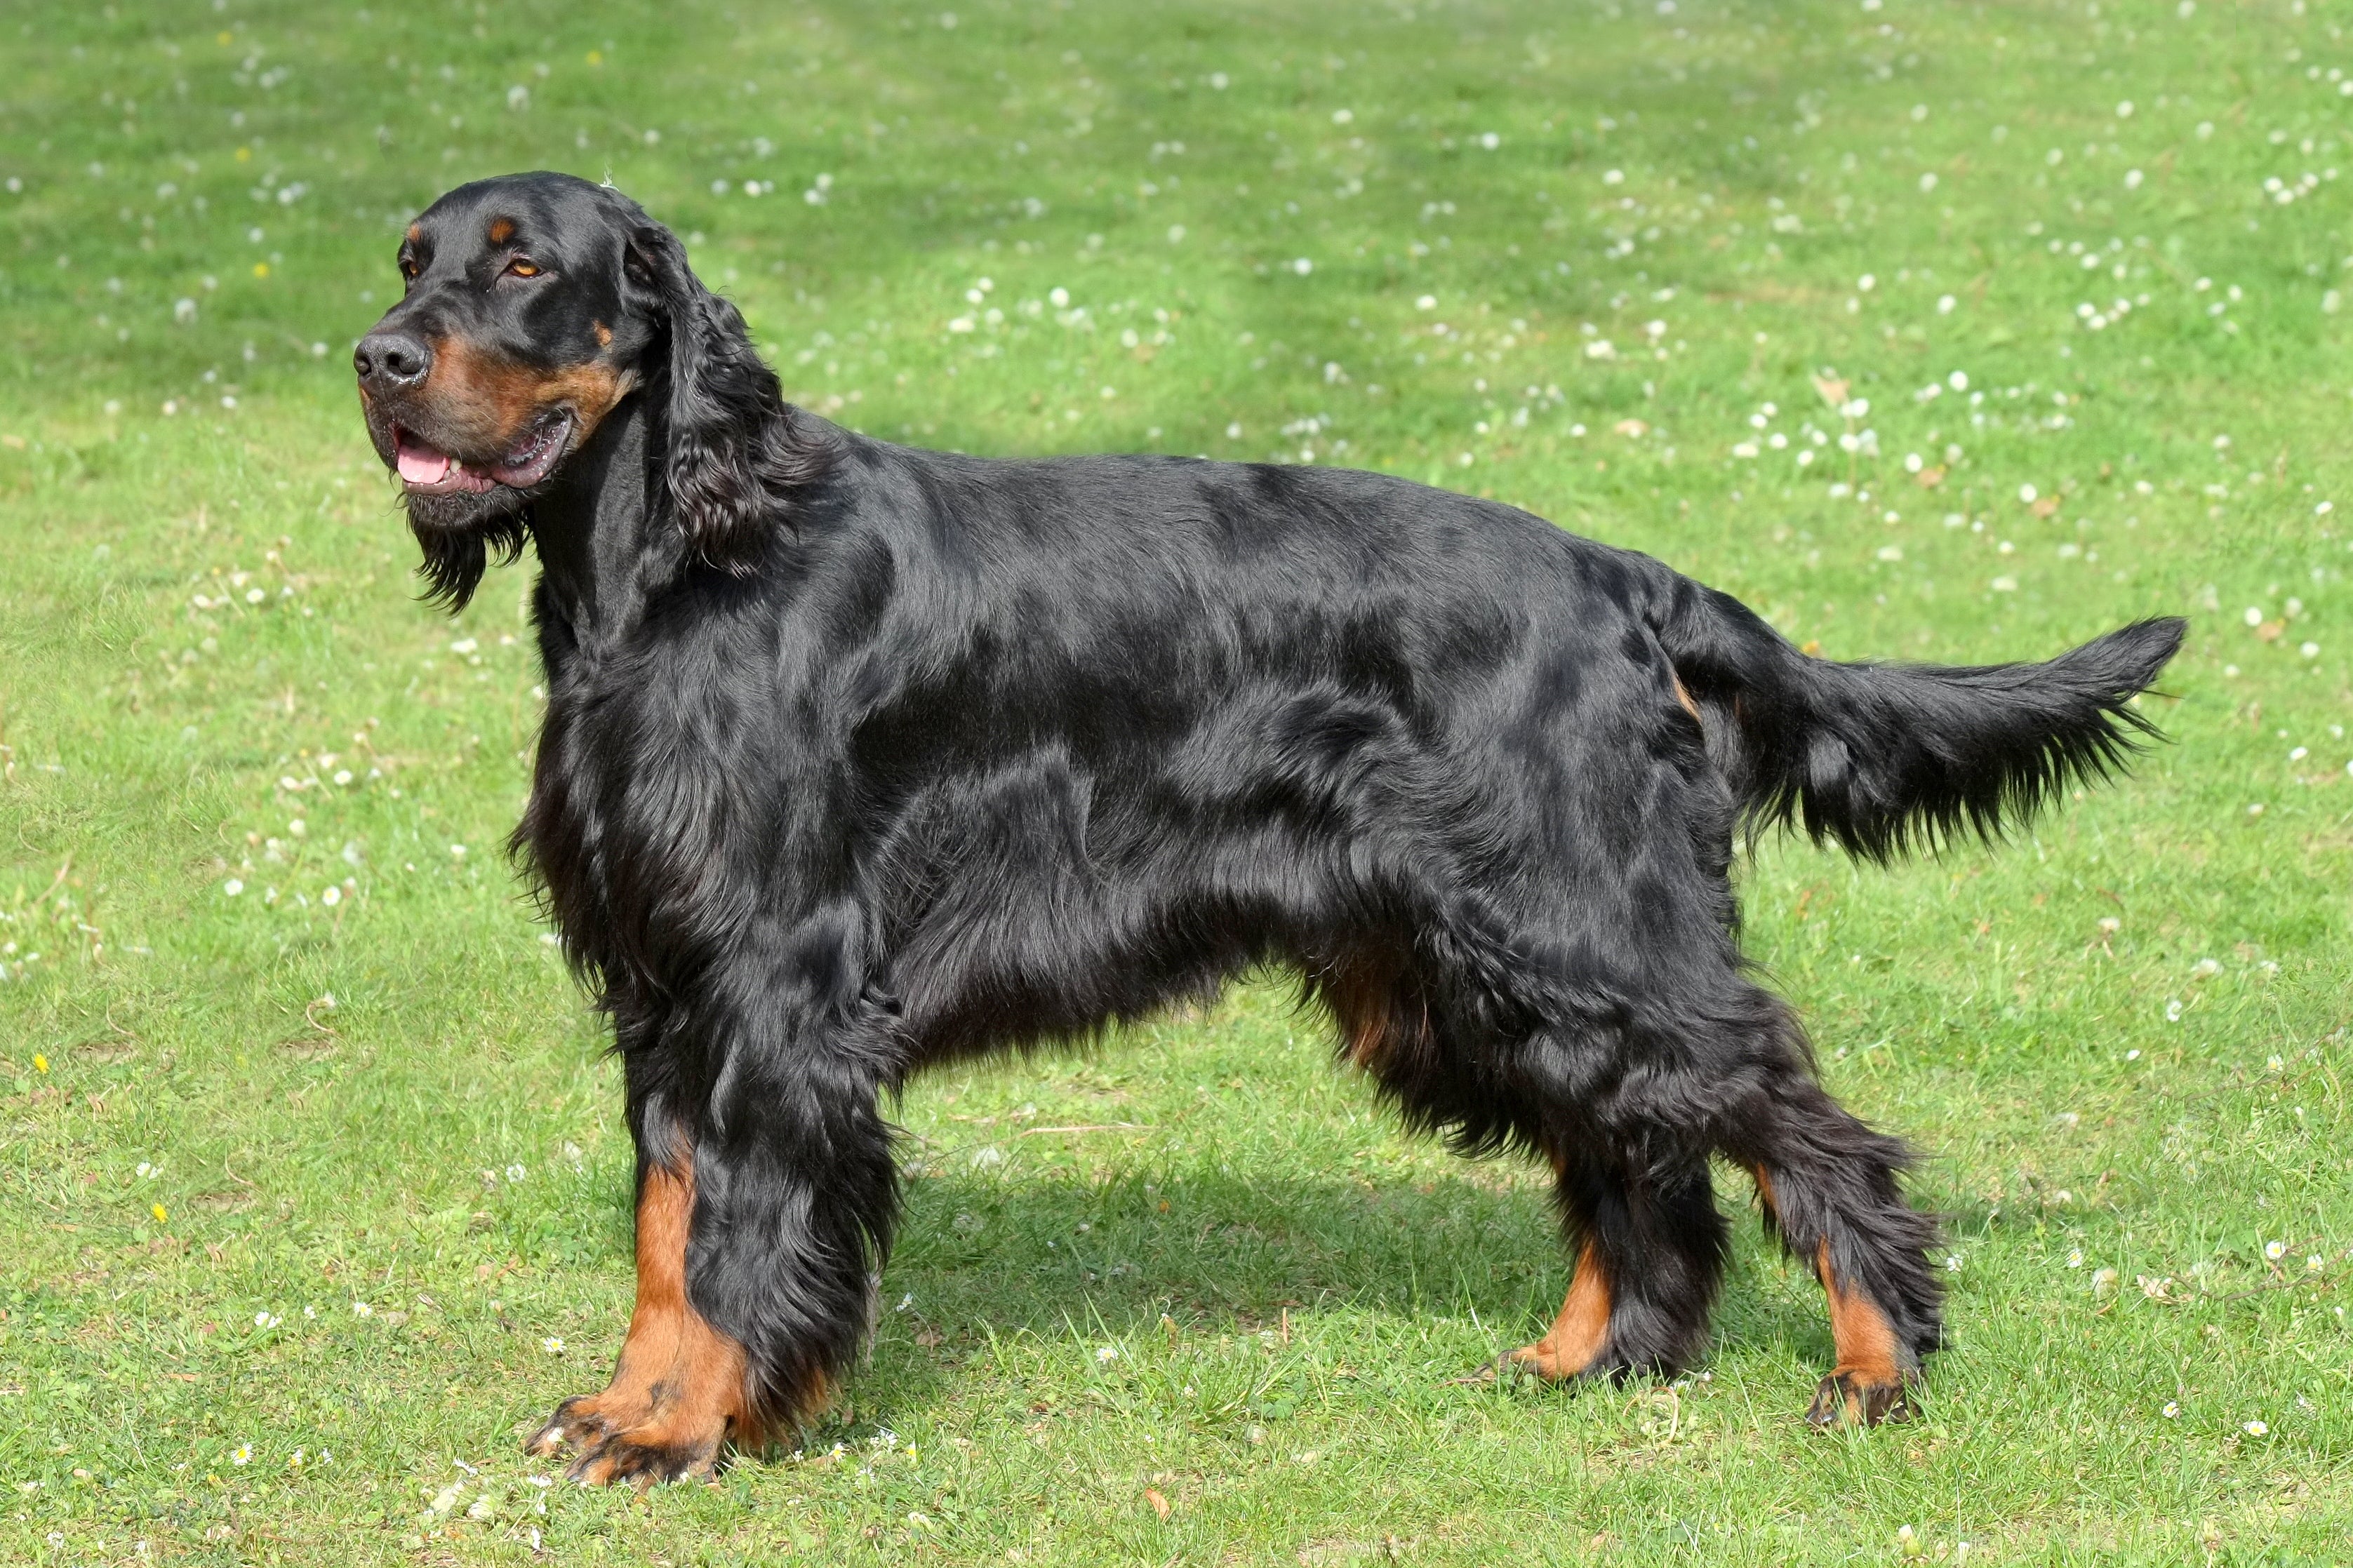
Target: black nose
{"x": 387, "y": 360}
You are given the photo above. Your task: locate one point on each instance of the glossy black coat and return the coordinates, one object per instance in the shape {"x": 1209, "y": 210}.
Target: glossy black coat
{"x": 858, "y": 758}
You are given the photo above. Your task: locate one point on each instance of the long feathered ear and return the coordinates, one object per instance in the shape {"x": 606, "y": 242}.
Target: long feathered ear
{"x": 736, "y": 450}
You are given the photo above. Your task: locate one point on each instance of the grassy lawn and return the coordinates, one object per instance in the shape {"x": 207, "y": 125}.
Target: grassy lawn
{"x": 1960, "y": 333}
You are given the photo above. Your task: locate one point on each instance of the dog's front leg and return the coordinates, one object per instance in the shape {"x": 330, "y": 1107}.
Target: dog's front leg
{"x": 681, "y": 1387}
{"x": 767, "y": 1200}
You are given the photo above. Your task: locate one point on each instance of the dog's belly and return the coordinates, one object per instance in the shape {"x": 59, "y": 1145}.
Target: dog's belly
{"x": 1045, "y": 902}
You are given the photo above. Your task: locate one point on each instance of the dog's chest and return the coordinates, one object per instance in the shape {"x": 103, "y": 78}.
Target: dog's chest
{"x": 646, "y": 804}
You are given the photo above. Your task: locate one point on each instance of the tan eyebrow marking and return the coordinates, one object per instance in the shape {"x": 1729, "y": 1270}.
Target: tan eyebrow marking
{"x": 502, "y": 230}
{"x": 416, "y": 232}
{"x": 604, "y": 334}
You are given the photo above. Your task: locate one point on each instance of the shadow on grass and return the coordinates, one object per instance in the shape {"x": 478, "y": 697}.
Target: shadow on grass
{"x": 1026, "y": 1253}
{"x": 1447, "y": 1261}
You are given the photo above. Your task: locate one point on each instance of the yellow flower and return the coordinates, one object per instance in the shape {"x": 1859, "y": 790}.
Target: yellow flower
{"x": 40, "y": 1062}
{"x": 162, "y": 1215}
{"x": 595, "y": 57}
{"x": 244, "y": 155}
{"x": 261, "y": 269}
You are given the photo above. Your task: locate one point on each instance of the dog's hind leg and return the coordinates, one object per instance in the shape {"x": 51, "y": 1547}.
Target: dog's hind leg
{"x": 1829, "y": 1185}
{"x": 1650, "y": 1254}
{"x": 1648, "y": 1238}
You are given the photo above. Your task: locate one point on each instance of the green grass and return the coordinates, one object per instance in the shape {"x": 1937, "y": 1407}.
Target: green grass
{"x": 2122, "y": 1038}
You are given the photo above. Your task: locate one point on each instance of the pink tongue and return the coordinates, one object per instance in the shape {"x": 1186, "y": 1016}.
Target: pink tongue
{"x": 422, "y": 465}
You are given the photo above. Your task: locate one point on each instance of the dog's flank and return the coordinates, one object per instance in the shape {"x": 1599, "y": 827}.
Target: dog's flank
{"x": 858, "y": 759}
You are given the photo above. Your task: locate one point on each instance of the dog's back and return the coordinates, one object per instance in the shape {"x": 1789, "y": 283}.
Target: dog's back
{"x": 1178, "y": 570}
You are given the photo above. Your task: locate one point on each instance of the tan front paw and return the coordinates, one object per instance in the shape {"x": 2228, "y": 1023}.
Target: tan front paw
{"x": 1551, "y": 1361}
{"x": 643, "y": 1451}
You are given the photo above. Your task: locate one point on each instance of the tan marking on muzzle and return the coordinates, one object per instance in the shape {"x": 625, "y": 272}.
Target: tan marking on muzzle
{"x": 484, "y": 403}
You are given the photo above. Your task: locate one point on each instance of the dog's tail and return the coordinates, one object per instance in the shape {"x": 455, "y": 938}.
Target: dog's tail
{"x": 1885, "y": 757}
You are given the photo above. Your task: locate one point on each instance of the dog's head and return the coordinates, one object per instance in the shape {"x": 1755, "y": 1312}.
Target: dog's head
{"x": 534, "y": 305}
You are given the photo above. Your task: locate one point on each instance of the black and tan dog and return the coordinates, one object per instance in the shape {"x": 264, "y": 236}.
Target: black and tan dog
{"x": 859, "y": 759}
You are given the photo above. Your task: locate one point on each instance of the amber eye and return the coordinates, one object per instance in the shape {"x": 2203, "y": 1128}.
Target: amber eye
{"x": 522, "y": 268}
{"x": 408, "y": 268}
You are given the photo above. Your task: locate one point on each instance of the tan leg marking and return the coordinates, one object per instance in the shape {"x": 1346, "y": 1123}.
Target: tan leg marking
{"x": 1868, "y": 1380}
{"x": 1684, "y": 697}
{"x": 1871, "y": 1380}
{"x": 1362, "y": 994}
{"x": 1576, "y": 1337}
{"x": 1361, "y": 1006}
{"x": 679, "y": 1390}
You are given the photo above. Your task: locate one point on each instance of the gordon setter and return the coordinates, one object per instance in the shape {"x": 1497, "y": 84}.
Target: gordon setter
{"x": 859, "y": 759}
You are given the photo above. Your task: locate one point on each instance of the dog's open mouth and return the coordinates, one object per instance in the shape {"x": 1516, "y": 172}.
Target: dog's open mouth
{"x": 428, "y": 470}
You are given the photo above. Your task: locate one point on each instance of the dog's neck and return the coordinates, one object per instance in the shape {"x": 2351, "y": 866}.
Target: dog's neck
{"x": 589, "y": 525}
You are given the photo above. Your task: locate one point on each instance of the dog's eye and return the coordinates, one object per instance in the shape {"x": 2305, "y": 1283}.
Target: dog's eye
{"x": 521, "y": 268}
{"x": 407, "y": 269}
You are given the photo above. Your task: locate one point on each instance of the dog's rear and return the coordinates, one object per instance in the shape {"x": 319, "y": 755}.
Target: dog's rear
{"x": 1882, "y": 757}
